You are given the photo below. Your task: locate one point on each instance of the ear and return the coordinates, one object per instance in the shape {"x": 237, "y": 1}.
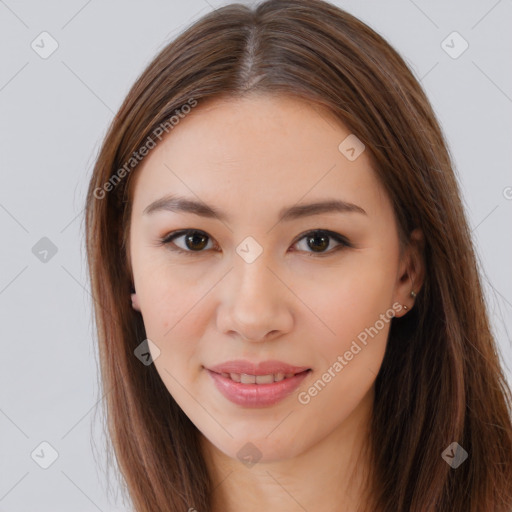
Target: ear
{"x": 135, "y": 301}
{"x": 411, "y": 272}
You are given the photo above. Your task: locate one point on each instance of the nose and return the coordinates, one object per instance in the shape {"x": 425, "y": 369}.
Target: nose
{"x": 255, "y": 305}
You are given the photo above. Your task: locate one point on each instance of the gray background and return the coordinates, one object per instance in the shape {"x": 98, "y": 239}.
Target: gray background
{"x": 54, "y": 114}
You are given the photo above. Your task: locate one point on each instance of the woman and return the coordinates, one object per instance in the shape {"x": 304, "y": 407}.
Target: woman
{"x": 288, "y": 307}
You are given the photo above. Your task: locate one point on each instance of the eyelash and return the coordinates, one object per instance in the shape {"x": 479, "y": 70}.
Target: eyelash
{"x": 168, "y": 239}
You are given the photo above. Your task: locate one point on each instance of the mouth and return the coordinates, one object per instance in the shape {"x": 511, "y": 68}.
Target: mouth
{"x": 270, "y": 378}
{"x": 257, "y": 385}
{"x": 278, "y": 370}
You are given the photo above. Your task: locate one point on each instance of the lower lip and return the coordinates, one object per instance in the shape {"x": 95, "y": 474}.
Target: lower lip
{"x": 257, "y": 395}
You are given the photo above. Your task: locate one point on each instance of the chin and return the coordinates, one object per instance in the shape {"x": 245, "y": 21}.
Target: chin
{"x": 253, "y": 449}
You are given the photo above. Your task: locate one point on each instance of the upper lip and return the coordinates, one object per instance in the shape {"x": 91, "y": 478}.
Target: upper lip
{"x": 262, "y": 368}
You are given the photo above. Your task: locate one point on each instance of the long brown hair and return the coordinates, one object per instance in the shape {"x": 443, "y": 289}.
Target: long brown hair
{"x": 440, "y": 381}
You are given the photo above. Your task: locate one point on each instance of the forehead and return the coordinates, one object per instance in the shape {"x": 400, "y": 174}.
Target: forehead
{"x": 255, "y": 151}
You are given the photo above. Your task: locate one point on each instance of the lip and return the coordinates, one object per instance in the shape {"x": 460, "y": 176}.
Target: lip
{"x": 257, "y": 395}
{"x": 262, "y": 368}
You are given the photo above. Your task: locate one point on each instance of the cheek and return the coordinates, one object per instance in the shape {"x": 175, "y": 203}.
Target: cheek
{"x": 171, "y": 316}
{"x": 167, "y": 293}
{"x": 359, "y": 313}
{"x": 356, "y": 312}
{"x": 174, "y": 312}
{"x": 348, "y": 300}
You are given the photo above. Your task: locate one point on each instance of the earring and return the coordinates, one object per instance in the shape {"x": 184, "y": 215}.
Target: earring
{"x": 406, "y": 308}
{"x": 413, "y": 294}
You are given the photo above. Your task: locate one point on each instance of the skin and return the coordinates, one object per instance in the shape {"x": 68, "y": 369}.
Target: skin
{"x": 251, "y": 157}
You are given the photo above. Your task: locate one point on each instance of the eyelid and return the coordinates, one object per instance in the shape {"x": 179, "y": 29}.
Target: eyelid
{"x": 341, "y": 239}
{"x": 168, "y": 239}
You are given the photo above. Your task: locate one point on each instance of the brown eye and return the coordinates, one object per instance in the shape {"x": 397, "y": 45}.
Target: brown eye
{"x": 318, "y": 241}
{"x": 194, "y": 241}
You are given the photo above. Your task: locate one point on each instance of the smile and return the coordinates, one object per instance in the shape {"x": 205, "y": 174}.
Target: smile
{"x": 244, "y": 378}
{"x": 257, "y": 390}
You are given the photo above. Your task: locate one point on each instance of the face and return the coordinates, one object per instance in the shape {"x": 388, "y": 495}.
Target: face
{"x": 254, "y": 275}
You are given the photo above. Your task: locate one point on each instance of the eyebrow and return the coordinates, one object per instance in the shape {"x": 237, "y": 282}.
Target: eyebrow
{"x": 179, "y": 204}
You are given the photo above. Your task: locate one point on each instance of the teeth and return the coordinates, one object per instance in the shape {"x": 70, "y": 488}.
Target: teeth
{"x": 257, "y": 379}
{"x": 247, "y": 379}
{"x": 264, "y": 379}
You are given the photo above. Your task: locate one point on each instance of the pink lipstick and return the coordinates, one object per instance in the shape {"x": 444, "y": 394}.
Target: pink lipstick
{"x": 257, "y": 384}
